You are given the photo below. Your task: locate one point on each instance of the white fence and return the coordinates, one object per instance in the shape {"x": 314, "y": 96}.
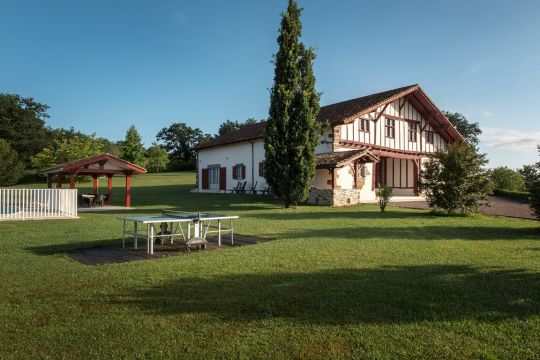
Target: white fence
{"x": 26, "y": 204}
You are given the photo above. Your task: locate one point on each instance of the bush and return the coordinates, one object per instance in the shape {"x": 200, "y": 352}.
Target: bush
{"x": 535, "y": 198}
{"x": 384, "y": 194}
{"x": 516, "y": 195}
{"x": 180, "y": 165}
{"x": 11, "y": 169}
{"x": 504, "y": 178}
{"x": 454, "y": 180}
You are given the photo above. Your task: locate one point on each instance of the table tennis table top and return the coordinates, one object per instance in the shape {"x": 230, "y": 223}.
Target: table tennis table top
{"x": 178, "y": 216}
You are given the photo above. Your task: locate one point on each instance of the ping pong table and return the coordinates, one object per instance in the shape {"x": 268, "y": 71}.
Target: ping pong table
{"x": 171, "y": 226}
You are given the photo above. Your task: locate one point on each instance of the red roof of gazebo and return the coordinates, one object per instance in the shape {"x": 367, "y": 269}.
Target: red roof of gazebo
{"x": 104, "y": 164}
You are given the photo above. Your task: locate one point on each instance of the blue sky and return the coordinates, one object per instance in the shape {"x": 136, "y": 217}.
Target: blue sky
{"x": 104, "y": 65}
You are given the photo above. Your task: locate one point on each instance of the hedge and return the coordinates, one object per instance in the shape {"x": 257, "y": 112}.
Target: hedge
{"x": 516, "y": 195}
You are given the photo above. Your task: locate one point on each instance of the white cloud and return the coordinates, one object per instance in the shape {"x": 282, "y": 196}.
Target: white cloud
{"x": 510, "y": 139}
{"x": 486, "y": 113}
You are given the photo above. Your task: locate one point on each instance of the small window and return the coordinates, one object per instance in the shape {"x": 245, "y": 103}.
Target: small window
{"x": 429, "y": 137}
{"x": 413, "y": 128}
{"x": 364, "y": 125}
{"x": 261, "y": 169}
{"x": 390, "y": 128}
{"x": 239, "y": 172}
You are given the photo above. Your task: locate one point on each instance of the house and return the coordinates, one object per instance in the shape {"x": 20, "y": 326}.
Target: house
{"x": 381, "y": 138}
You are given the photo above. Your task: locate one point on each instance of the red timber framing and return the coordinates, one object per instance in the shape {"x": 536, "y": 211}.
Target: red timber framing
{"x": 95, "y": 166}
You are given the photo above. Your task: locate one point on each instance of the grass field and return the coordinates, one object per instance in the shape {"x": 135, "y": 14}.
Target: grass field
{"x": 337, "y": 282}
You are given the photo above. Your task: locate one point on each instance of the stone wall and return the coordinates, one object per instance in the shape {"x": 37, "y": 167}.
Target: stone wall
{"x": 334, "y": 197}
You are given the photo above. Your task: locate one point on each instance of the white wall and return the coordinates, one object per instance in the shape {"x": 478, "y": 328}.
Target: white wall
{"x": 325, "y": 143}
{"x": 230, "y": 155}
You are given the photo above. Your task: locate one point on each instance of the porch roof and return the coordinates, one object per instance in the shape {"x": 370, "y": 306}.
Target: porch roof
{"x": 341, "y": 158}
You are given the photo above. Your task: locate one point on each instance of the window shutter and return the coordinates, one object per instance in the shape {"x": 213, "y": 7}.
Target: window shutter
{"x": 234, "y": 172}
{"x": 223, "y": 178}
{"x": 261, "y": 172}
{"x": 204, "y": 179}
{"x": 243, "y": 172}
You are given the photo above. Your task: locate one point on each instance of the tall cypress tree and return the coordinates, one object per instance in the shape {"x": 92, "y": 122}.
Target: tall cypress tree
{"x": 292, "y": 132}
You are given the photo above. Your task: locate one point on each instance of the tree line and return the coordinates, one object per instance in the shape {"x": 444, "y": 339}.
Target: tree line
{"x": 28, "y": 144}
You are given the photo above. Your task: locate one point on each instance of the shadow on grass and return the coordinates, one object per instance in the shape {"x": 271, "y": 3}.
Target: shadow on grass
{"x": 350, "y": 296}
{"x": 418, "y": 233}
{"x": 66, "y": 247}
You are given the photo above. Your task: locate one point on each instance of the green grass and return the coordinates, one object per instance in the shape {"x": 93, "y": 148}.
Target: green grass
{"x": 337, "y": 282}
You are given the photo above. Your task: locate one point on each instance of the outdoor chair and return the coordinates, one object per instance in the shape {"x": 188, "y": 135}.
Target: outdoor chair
{"x": 266, "y": 191}
{"x": 253, "y": 189}
{"x": 242, "y": 190}
{"x": 82, "y": 202}
{"x": 99, "y": 200}
{"x": 236, "y": 188}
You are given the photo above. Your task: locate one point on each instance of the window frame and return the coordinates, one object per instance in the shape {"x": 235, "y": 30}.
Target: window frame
{"x": 364, "y": 126}
{"x": 389, "y": 128}
{"x": 237, "y": 172}
{"x": 413, "y": 132}
{"x": 430, "y": 134}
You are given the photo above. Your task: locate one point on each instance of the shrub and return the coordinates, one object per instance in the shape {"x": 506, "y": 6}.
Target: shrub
{"x": 454, "y": 180}
{"x": 504, "y": 178}
{"x": 384, "y": 194}
{"x": 516, "y": 195}
{"x": 535, "y": 198}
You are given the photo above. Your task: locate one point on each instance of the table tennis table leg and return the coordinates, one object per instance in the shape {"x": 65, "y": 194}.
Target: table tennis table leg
{"x": 151, "y": 239}
{"x": 219, "y": 232}
{"x": 135, "y": 235}
{"x": 232, "y": 233}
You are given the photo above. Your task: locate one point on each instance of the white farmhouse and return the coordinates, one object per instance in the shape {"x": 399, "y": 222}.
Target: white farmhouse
{"x": 376, "y": 139}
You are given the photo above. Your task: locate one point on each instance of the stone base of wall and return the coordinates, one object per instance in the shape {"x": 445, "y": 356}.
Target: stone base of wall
{"x": 334, "y": 197}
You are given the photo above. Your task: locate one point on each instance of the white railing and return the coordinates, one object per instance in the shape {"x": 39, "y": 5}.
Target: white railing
{"x": 26, "y": 204}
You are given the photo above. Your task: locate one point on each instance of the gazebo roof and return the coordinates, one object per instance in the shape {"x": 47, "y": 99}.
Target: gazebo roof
{"x": 104, "y": 164}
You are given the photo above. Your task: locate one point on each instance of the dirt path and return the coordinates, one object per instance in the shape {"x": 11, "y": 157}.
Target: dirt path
{"x": 499, "y": 206}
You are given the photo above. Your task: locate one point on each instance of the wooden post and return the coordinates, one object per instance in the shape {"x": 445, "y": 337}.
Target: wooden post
{"x": 109, "y": 189}
{"x": 374, "y": 175}
{"x": 334, "y": 178}
{"x": 128, "y": 190}
{"x": 59, "y": 181}
{"x": 416, "y": 176}
{"x": 49, "y": 181}
{"x": 72, "y": 181}
{"x": 95, "y": 184}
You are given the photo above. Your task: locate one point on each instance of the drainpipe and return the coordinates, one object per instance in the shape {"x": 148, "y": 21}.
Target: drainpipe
{"x": 252, "y": 164}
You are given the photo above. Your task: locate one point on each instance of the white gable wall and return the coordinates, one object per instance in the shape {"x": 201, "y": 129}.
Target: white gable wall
{"x": 229, "y": 155}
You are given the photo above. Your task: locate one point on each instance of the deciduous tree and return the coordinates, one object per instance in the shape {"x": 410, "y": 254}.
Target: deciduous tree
{"x": 11, "y": 169}
{"x": 292, "y": 132}
{"x": 469, "y": 130}
{"x": 504, "y": 178}
{"x": 67, "y": 149}
{"x": 181, "y": 140}
{"x": 22, "y": 125}
{"x": 454, "y": 180}
{"x": 156, "y": 158}
{"x": 229, "y": 126}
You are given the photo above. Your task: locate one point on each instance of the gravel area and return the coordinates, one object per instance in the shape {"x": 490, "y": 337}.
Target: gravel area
{"x": 499, "y": 206}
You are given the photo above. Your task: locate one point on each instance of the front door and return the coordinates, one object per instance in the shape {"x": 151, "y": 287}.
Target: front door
{"x": 213, "y": 177}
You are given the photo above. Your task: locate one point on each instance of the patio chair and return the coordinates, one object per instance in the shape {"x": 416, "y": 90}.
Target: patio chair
{"x": 236, "y": 188}
{"x": 99, "y": 200}
{"x": 242, "y": 190}
{"x": 266, "y": 191}
{"x": 253, "y": 189}
{"x": 82, "y": 202}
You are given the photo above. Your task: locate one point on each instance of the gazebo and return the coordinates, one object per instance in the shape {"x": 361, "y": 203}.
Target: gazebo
{"x": 95, "y": 166}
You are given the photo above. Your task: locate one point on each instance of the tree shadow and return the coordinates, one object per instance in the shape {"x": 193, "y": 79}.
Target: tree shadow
{"x": 433, "y": 232}
{"x": 338, "y": 213}
{"x": 402, "y": 294}
{"x": 66, "y": 247}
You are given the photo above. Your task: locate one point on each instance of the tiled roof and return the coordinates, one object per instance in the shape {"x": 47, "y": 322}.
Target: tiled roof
{"x": 340, "y": 158}
{"x": 338, "y": 113}
{"x": 245, "y": 133}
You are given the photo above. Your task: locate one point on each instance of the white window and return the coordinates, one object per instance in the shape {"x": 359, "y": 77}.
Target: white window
{"x": 364, "y": 125}
{"x": 213, "y": 177}
{"x": 390, "y": 128}
{"x": 412, "y": 132}
{"x": 429, "y": 137}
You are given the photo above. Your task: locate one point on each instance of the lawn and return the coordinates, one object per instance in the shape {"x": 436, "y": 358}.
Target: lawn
{"x": 336, "y": 282}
